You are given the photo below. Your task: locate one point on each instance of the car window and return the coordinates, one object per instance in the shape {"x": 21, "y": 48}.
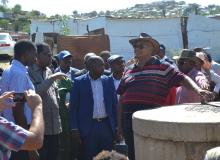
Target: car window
{"x": 4, "y": 37}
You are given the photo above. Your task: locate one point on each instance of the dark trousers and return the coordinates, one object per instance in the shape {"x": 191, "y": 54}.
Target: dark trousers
{"x": 100, "y": 138}
{"x": 20, "y": 155}
{"x": 127, "y": 126}
{"x": 50, "y": 148}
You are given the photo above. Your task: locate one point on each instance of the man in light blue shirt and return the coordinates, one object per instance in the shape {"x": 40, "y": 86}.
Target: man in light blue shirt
{"x": 15, "y": 78}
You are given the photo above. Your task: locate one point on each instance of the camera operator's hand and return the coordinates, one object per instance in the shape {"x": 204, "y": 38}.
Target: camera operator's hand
{"x": 58, "y": 76}
{"x": 5, "y": 96}
{"x": 33, "y": 99}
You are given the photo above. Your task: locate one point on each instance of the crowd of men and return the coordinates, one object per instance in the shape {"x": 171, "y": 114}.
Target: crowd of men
{"x": 76, "y": 114}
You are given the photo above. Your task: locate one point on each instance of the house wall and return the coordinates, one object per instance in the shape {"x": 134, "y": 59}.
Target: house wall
{"x": 121, "y": 30}
{"x": 204, "y": 32}
{"x": 93, "y": 23}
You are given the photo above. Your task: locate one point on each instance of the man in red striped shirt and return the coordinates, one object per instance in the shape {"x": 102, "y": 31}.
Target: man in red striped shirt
{"x": 146, "y": 85}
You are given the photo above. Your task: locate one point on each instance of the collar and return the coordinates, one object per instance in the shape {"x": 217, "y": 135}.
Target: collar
{"x": 35, "y": 67}
{"x": 192, "y": 71}
{"x": 19, "y": 65}
{"x": 91, "y": 79}
{"x": 114, "y": 77}
{"x": 60, "y": 69}
{"x": 152, "y": 61}
{"x": 163, "y": 59}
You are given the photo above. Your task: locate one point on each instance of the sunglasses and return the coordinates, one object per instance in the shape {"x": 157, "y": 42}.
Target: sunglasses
{"x": 140, "y": 46}
{"x": 182, "y": 62}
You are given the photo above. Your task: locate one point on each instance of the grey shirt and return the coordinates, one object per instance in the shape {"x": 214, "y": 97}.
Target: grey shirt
{"x": 46, "y": 88}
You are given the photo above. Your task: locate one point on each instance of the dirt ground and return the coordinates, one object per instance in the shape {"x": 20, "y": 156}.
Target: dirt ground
{"x": 4, "y": 62}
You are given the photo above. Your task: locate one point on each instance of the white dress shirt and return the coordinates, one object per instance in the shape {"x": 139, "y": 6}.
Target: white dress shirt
{"x": 99, "y": 110}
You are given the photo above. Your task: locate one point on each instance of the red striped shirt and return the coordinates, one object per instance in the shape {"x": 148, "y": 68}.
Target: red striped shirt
{"x": 149, "y": 85}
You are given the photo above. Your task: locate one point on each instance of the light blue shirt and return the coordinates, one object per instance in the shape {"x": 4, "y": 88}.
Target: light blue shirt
{"x": 99, "y": 110}
{"x": 16, "y": 78}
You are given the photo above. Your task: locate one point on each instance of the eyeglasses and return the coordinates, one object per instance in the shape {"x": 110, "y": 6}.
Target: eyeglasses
{"x": 140, "y": 46}
{"x": 182, "y": 62}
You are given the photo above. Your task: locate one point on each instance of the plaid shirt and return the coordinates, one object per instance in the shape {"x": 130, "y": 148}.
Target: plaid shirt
{"x": 12, "y": 137}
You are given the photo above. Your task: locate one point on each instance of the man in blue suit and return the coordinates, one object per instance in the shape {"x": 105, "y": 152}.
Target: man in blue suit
{"x": 93, "y": 102}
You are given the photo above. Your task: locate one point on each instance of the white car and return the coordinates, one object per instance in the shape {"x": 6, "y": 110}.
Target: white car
{"x": 6, "y": 44}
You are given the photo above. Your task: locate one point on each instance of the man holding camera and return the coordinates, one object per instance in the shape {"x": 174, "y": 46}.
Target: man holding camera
{"x": 14, "y": 137}
{"x": 15, "y": 78}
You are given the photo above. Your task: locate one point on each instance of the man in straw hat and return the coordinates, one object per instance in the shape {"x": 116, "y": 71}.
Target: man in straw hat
{"x": 146, "y": 85}
{"x": 187, "y": 64}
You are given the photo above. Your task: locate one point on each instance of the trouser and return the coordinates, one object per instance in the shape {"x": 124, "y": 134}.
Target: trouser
{"x": 20, "y": 155}
{"x": 50, "y": 148}
{"x": 128, "y": 111}
{"x": 99, "y": 138}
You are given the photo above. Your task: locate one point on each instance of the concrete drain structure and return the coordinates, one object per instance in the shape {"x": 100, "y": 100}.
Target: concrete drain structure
{"x": 181, "y": 132}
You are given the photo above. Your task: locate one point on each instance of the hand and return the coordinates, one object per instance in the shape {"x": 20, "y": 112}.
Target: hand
{"x": 205, "y": 86}
{"x": 5, "y": 96}
{"x": 206, "y": 96}
{"x": 58, "y": 76}
{"x": 130, "y": 62}
{"x": 119, "y": 134}
{"x": 33, "y": 99}
{"x": 76, "y": 136}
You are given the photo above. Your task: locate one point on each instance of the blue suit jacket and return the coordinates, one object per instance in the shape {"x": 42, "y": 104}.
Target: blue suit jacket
{"x": 81, "y": 104}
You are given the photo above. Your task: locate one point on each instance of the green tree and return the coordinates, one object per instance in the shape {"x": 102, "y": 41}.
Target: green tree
{"x": 17, "y": 9}
{"x": 4, "y": 2}
{"x": 34, "y": 14}
{"x": 64, "y": 27}
{"x": 3, "y": 8}
{"x": 5, "y": 24}
{"x": 75, "y": 14}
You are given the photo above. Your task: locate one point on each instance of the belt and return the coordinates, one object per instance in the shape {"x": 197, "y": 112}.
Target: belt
{"x": 100, "y": 119}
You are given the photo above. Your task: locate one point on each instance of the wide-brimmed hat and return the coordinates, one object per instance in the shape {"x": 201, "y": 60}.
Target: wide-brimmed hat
{"x": 188, "y": 54}
{"x": 202, "y": 56}
{"x": 147, "y": 38}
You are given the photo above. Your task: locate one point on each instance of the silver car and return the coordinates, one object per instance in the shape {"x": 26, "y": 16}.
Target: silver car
{"x": 6, "y": 44}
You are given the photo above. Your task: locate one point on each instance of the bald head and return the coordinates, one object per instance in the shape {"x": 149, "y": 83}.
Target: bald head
{"x": 95, "y": 66}
{"x": 87, "y": 56}
{"x": 92, "y": 60}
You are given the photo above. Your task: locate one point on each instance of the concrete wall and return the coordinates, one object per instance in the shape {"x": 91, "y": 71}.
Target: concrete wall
{"x": 204, "y": 32}
{"x": 121, "y": 30}
{"x": 44, "y": 26}
{"x": 93, "y": 23}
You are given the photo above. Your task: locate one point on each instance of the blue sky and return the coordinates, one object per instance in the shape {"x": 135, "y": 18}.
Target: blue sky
{"x": 52, "y": 7}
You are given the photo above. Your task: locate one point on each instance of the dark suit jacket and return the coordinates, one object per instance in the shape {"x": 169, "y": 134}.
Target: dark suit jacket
{"x": 84, "y": 71}
{"x": 81, "y": 104}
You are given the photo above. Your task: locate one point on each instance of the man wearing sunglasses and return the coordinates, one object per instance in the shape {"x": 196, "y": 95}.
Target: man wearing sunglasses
{"x": 187, "y": 64}
{"x": 146, "y": 85}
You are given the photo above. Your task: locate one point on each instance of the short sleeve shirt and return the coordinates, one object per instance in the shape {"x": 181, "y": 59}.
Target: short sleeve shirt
{"x": 12, "y": 137}
{"x": 149, "y": 85}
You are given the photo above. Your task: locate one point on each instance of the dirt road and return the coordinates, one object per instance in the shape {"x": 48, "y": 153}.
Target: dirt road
{"x": 4, "y": 62}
